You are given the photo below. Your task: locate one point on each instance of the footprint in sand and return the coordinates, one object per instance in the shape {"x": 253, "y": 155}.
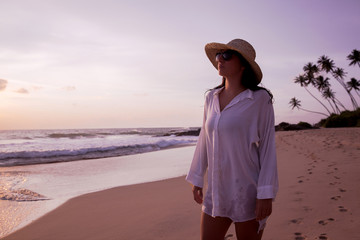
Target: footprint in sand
{"x": 342, "y": 209}
{"x": 339, "y": 145}
{"x": 300, "y": 181}
{"x": 324, "y": 222}
{"x": 342, "y": 190}
{"x": 336, "y": 198}
{"x": 323, "y": 236}
{"x": 299, "y": 236}
{"x": 307, "y": 209}
{"x": 297, "y": 221}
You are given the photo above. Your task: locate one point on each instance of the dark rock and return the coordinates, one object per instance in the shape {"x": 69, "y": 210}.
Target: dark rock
{"x": 189, "y": 133}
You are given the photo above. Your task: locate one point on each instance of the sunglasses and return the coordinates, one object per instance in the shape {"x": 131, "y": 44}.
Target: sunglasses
{"x": 227, "y": 55}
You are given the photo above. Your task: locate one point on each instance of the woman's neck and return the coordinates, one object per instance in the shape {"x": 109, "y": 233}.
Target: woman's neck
{"x": 233, "y": 86}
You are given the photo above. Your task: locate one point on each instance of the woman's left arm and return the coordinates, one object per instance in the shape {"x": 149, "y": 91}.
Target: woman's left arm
{"x": 268, "y": 176}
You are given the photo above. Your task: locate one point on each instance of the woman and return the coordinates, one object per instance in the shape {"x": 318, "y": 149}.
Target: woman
{"x": 236, "y": 147}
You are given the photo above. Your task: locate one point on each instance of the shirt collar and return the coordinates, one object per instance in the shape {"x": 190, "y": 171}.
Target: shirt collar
{"x": 218, "y": 90}
{"x": 241, "y": 96}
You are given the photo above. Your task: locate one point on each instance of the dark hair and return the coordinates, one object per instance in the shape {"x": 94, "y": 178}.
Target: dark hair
{"x": 248, "y": 79}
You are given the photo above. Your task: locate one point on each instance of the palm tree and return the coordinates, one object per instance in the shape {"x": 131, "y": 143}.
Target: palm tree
{"x": 354, "y": 84}
{"x": 328, "y": 94}
{"x": 354, "y": 57}
{"x": 327, "y": 97}
{"x": 310, "y": 70}
{"x": 304, "y": 81}
{"x": 326, "y": 64}
{"x": 324, "y": 86}
{"x": 322, "y": 82}
{"x": 339, "y": 75}
{"x": 295, "y": 103}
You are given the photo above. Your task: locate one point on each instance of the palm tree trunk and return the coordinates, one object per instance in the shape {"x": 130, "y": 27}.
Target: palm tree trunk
{"x": 331, "y": 105}
{"x": 357, "y": 92}
{"x": 313, "y": 111}
{"x": 318, "y": 100}
{"x": 341, "y": 105}
{"x": 353, "y": 101}
{"x": 336, "y": 106}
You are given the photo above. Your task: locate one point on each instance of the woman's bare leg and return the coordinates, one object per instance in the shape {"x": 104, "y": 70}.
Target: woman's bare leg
{"x": 248, "y": 230}
{"x": 214, "y": 228}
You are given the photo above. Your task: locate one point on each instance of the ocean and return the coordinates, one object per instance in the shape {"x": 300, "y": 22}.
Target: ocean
{"x": 25, "y": 147}
{"x": 42, "y": 169}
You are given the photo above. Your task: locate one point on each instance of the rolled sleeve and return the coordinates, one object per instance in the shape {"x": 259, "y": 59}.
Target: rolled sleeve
{"x": 195, "y": 179}
{"x": 266, "y": 192}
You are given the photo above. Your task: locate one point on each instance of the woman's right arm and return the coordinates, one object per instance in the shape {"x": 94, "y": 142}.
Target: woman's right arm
{"x": 199, "y": 163}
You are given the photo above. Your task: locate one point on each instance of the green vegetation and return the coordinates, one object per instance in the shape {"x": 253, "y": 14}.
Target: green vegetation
{"x": 284, "y": 126}
{"x": 344, "y": 119}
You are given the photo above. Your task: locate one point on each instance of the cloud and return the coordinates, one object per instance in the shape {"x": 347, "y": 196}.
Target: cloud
{"x": 3, "y": 84}
{"x": 69, "y": 88}
{"x": 22, "y": 91}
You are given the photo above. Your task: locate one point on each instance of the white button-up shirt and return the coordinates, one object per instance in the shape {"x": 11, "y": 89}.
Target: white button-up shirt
{"x": 237, "y": 148}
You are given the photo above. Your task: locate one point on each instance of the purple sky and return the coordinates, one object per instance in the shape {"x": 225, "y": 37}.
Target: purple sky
{"x": 93, "y": 64}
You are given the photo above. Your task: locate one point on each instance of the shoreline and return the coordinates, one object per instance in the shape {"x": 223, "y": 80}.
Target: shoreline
{"x": 59, "y": 182}
{"x": 96, "y": 158}
{"x": 78, "y": 214}
{"x": 318, "y": 172}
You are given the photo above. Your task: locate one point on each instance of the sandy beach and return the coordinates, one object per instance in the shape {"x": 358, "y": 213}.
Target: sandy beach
{"x": 318, "y": 199}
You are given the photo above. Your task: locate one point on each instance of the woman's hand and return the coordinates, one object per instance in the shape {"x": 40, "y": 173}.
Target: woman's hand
{"x": 263, "y": 208}
{"x": 198, "y": 194}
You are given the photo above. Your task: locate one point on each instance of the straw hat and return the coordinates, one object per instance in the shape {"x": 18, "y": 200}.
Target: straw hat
{"x": 238, "y": 45}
